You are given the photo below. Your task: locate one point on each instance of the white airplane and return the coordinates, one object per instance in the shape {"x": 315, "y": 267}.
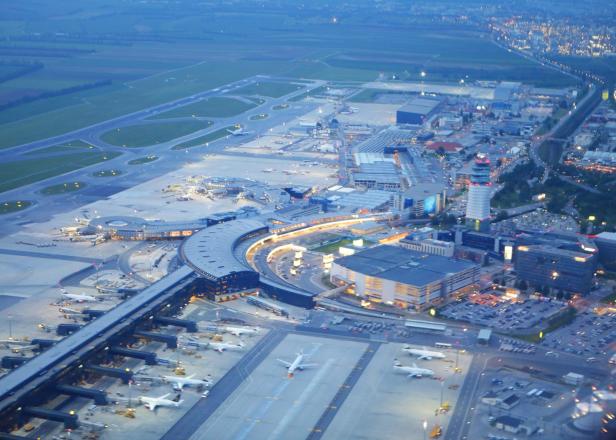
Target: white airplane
{"x": 296, "y": 364}
{"x": 180, "y": 382}
{"x": 239, "y": 131}
{"x": 152, "y": 402}
{"x": 423, "y": 353}
{"x": 239, "y": 331}
{"x": 79, "y": 297}
{"x": 222, "y": 346}
{"x": 413, "y": 371}
{"x": 22, "y": 348}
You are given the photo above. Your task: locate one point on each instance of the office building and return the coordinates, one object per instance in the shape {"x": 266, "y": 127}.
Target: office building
{"x": 555, "y": 269}
{"x": 606, "y": 242}
{"x": 479, "y": 194}
{"x": 429, "y": 246}
{"x": 404, "y": 278}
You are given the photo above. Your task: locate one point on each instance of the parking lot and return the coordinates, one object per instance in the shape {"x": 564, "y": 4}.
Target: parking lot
{"x": 589, "y": 335}
{"x": 504, "y": 314}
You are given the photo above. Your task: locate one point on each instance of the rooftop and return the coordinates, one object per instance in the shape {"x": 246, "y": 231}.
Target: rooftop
{"x": 403, "y": 265}
{"x": 210, "y": 251}
{"x": 422, "y": 106}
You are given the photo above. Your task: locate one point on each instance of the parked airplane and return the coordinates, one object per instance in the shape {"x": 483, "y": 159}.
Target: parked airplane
{"x": 79, "y": 297}
{"x": 413, "y": 371}
{"x": 222, "y": 346}
{"x": 152, "y": 403}
{"x": 423, "y": 353}
{"x": 239, "y": 331}
{"x": 296, "y": 364}
{"x": 180, "y": 382}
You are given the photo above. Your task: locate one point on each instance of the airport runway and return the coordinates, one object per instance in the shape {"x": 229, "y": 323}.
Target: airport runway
{"x": 51, "y": 256}
{"x": 96, "y": 188}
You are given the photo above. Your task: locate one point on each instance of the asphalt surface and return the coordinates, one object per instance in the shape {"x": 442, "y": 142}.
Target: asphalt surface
{"x": 202, "y": 410}
{"x": 50, "y": 256}
{"x": 330, "y": 412}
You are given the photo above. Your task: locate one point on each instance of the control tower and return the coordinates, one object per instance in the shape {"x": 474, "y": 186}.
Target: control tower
{"x": 479, "y": 194}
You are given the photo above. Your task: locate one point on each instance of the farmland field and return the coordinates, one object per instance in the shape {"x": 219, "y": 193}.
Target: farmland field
{"x": 144, "y": 135}
{"x": 107, "y": 59}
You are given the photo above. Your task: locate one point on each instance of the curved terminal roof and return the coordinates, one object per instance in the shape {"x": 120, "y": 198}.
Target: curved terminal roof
{"x": 210, "y": 251}
{"x": 138, "y": 224}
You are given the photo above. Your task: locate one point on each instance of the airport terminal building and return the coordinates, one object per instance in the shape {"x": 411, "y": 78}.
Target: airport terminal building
{"x": 404, "y": 278}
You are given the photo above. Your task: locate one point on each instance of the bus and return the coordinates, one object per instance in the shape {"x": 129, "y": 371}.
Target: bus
{"x": 442, "y": 345}
{"x": 267, "y": 305}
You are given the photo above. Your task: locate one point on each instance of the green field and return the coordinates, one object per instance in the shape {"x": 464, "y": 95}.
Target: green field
{"x": 271, "y": 89}
{"x": 208, "y": 108}
{"x": 62, "y": 188}
{"x": 103, "y": 59}
{"x": 145, "y": 135}
{"x": 200, "y": 141}
{"x": 23, "y": 172}
{"x": 10, "y": 206}
{"x": 142, "y": 160}
{"x": 64, "y": 148}
{"x": 332, "y": 248}
{"x": 107, "y": 173}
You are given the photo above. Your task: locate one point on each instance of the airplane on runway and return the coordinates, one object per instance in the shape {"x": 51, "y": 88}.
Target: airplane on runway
{"x": 296, "y": 364}
{"x": 412, "y": 372}
{"x": 180, "y": 382}
{"x": 239, "y": 131}
{"x": 152, "y": 403}
{"x": 423, "y": 353}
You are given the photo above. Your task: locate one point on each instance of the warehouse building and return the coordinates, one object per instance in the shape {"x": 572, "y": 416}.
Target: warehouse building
{"x": 417, "y": 112}
{"x": 404, "y": 278}
{"x": 606, "y": 242}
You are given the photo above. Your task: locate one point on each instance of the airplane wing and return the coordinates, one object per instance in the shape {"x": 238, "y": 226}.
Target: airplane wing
{"x": 285, "y": 363}
{"x": 414, "y": 375}
{"x": 302, "y": 366}
{"x": 424, "y": 357}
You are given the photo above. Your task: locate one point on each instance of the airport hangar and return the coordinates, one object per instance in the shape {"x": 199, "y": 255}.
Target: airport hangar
{"x": 211, "y": 268}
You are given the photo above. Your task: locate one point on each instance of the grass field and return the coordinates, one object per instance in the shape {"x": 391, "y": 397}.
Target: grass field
{"x": 210, "y": 137}
{"x": 142, "y": 160}
{"x": 64, "y": 148}
{"x": 107, "y": 173}
{"x": 62, "y": 188}
{"x": 259, "y": 117}
{"x": 332, "y": 248}
{"x": 156, "y": 54}
{"x": 11, "y": 206}
{"x": 208, "y": 108}
{"x": 23, "y": 172}
{"x": 271, "y": 89}
{"x": 145, "y": 135}
{"x": 280, "y": 107}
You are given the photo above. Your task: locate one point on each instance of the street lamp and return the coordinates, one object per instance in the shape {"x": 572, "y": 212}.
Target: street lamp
{"x": 10, "y": 326}
{"x": 425, "y": 428}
